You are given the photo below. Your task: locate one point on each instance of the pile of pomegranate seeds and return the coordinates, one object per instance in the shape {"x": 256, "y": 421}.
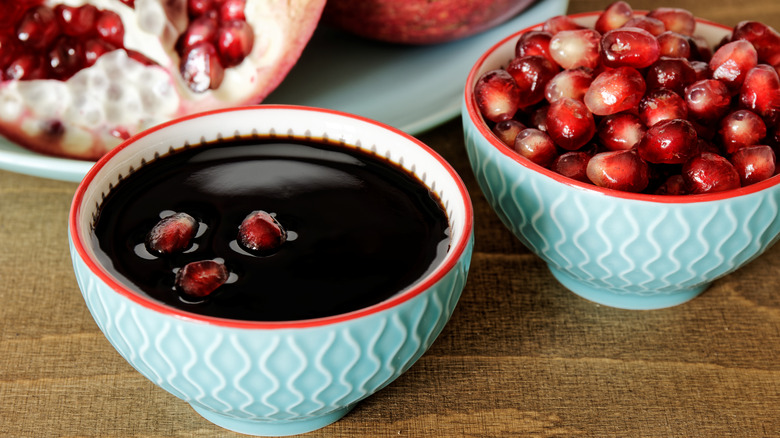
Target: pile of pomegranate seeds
{"x": 259, "y": 234}
{"x": 640, "y": 103}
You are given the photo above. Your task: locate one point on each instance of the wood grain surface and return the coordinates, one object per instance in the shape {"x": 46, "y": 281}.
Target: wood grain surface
{"x": 520, "y": 357}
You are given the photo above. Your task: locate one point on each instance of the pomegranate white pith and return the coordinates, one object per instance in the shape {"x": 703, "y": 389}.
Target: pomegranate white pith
{"x": 91, "y": 111}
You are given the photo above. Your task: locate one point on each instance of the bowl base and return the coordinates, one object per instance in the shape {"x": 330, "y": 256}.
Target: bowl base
{"x": 271, "y": 428}
{"x": 626, "y": 301}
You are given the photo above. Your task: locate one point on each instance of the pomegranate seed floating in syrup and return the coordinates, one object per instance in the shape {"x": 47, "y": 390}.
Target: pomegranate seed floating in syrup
{"x": 640, "y": 103}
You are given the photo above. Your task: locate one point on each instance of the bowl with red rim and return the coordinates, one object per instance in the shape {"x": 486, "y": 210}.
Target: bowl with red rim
{"x": 271, "y": 377}
{"x": 624, "y": 249}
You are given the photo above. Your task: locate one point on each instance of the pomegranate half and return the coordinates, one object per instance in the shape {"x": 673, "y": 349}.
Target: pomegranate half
{"x": 419, "y": 21}
{"x": 78, "y": 77}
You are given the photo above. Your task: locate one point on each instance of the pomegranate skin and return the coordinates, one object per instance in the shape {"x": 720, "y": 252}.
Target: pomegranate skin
{"x": 419, "y": 22}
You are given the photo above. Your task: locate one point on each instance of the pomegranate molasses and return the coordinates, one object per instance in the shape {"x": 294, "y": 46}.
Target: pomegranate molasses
{"x": 355, "y": 229}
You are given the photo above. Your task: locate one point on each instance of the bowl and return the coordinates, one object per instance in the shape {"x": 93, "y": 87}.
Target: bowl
{"x": 619, "y": 249}
{"x": 272, "y": 378}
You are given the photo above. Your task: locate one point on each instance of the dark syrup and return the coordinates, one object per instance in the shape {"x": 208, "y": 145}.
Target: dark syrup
{"x": 360, "y": 228}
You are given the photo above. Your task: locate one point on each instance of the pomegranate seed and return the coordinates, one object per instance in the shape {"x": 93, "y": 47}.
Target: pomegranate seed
{"x": 614, "y": 16}
{"x": 576, "y": 48}
{"x": 614, "y": 91}
{"x": 675, "y": 19}
{"x": 25, "y": 67}
{"x": 95, "y": 48}
{"x": 731, "y": 62}
{"x": 653, "y": 25}
{"x": 621, "y": 131}
{"x": 754, "y": 164}
{"x": 701, "y": 70}
{"x": 741, "y": 128}
{"x": 708, "y": 99}
{"x": 538, "y": 118}
{"x": 534, "y": 43}
{"x": 674, "y": 45}
{"x": 535, "y": 145}
{"x": 570, "y": 124}
{"x": 700, "y": 49}
{"x": 629, "y": 47}
{"x": 497, "y": 95}
{"x": 38, "y": 27}
{"x": 662, "y": 104}
{"x": 531, "y": 74}
{"x": 66, "y": 57}
{"x": 232, "y": 10}
{"x": 619, "y": 170}
{"x": 709, "y": 173}
{"x": 672, "y": 73}
{"x": 760, "y": 90}
{"x": 560, "y": 23}
{"x": 765, "y": 39}
{"x": 569, "y": 83}
{"x": 172, "y": 234}
{"x": 669, "y": 142}
{"x": 76, "y": 21}
{"x": 202, "y": 29}
{"x": 200, "y": 68}
{"x": 110, "y": 28}
{"x": 573, "y": 164}
{"x": 261, "y": 233}
{"x": 674, "y": 186}
{"x": 196, "y": 8}
{"x": 201, "y": 279}
{"x": 507, "y": 131}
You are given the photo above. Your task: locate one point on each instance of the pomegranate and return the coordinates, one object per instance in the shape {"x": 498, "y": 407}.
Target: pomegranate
{"x": 640, "y": 103}
{"x": 78, "y": 77}
{"x": 419, "y": 21}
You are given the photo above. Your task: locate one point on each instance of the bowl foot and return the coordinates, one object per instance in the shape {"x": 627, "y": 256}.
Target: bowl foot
{"x": 271, "y": 428}
{"x": 626, "y": 301}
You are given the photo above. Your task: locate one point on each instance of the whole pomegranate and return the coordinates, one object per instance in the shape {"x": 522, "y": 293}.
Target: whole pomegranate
{"x": 79, "y": 76}
{"x": 419, "y": 21}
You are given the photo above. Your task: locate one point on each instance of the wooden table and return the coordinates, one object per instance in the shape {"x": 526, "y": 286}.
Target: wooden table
{"x": 521, "y": 356}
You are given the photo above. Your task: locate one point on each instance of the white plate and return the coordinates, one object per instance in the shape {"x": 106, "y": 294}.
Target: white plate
{"x": 410, "y": 88}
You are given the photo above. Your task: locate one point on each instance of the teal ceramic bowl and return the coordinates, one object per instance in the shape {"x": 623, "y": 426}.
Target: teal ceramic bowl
{"x": 272, "y": 378}
{"x": 618, "y": 249}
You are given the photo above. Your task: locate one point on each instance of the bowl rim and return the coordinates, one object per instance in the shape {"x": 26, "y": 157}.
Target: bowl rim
{"x": 456, "y": 252}
{"x": 476, "y": 119}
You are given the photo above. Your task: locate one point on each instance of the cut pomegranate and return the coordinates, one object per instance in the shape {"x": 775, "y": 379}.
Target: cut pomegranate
{"x": 63, "y": 62}
{"x": 201, "y": 279}
{"x": 261, "y": 233}
{"x": 172, "y": 234}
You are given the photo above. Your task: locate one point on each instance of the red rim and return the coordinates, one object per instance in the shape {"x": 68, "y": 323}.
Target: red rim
{"x": 94, "y": 267}
{"x": 476, "y": 119}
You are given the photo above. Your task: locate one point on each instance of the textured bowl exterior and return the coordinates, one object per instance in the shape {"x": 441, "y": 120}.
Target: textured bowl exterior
{"x": 267, "y": 378}
{"x": 636, "y": 252}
